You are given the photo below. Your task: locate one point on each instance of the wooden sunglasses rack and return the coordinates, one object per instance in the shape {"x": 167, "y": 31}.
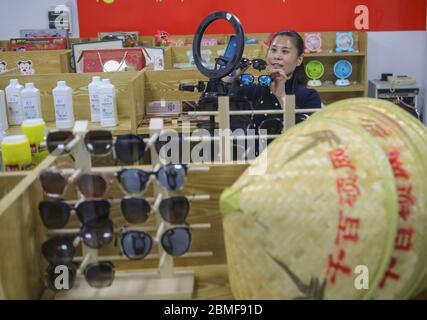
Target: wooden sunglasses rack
{"x": 166, "y": 283}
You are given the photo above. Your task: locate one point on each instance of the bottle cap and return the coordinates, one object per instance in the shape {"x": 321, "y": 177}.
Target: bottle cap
{"x": 34, "y": 130}
{"x": 16, "y": 152}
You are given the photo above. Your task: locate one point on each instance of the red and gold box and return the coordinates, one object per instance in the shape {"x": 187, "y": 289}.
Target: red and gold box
{"x": 110, "y": 60}
{"x": 42, "y": 43}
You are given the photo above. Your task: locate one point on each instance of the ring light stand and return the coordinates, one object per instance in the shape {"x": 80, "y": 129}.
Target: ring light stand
{"x": 229, "y": 64}
{"x": 224, "y": 65}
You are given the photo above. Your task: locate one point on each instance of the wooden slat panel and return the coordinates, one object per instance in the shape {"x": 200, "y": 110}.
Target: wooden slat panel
{"x": 79, "y": 83}
{"x": 44, "y": 62}
{"x": 168, "y": 59}
{"x": 138, "y": 84}
{"x": 164, "y": 85}
{"x": 148, "y": 41}
{"x": 5, "y": 44}
{"x": 21, "y": 234}
{"x": 8, "y": 180}
{"x": 179, "y": 54}
{"x": 123, "y": 127}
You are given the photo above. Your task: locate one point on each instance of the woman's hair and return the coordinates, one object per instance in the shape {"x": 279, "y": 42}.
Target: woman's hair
{"x": 299, "y": 73}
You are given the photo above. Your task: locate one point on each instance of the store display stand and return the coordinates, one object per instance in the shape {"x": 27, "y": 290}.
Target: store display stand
{"x": 163, "y": 284}
{"x": 287, "y": 110}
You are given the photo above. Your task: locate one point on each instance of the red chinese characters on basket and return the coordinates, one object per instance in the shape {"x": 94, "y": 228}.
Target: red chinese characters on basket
{"x": 403, "y": 240}
{"x": 348, "y": 227}
{"x": 390, "y": 273}
{"x": 339, "y": 159}
{"x": 374, "y": 128}
{"x": 335, "y": 266}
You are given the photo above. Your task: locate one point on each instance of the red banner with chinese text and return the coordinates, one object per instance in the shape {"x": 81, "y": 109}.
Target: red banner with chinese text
{"x": 256, "y": 16}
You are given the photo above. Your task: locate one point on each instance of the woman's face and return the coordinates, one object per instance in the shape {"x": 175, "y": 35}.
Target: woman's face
{"x": 283, "y": 54}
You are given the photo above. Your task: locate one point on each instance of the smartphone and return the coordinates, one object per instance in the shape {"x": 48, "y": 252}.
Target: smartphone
{"x": 230, "y": 50}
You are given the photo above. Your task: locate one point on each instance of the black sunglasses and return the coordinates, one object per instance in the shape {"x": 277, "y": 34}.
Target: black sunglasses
{"x": 57, "y": 141}
{"x": 173, "y": 210}
{"x": 59, "y": 249}
{"x": 62, "y": 249}
{"x": 138, "y": 244}
{"x": 99, "y": 274}
{"x": 128, "y": 148}
{"x": 90, "y": 185}
{"x": 271, "y": 125}
{"x": 170, "y": 176}
{"x": 56, "y": 214}
{"x": 98, "y": 235}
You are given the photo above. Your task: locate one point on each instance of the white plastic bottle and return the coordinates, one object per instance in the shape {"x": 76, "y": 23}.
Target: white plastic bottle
{"x": 31, "y": 104}
{"x": 94, "y": 98}
{"x": 14, "y": 102}
{"x": 107, "y": 103}
{"x": 3, "y": 113}
{"x": 63, "y": 104}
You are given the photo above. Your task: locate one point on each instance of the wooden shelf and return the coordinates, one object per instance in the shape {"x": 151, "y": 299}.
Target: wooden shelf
{"x": 144, "y": 128}
{"x": 123, "y": 127}
{"x": 335, "y": 54}
{"x": 211, "y": 283}
{"x": 334, "y": 89}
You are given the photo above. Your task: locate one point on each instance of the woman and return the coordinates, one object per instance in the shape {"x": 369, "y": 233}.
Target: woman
{"x": 285, "y": 66}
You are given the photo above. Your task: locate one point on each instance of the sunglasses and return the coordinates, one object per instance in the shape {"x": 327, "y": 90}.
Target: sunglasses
{"x": 56, "y": 214}
{"x": 99, "y": 274}
{"x": 173, "y": 210}
{"x": 99, "y": 235}
{"x": 128, "y": 148}
{"x": 271, "y": 125}
{"x": 170, "y": 176}
{"x": 90, "y": 185}
{"x": 58, "y": 140}
{"x": 263, "y": 80}
{"x": 138, "y": 244}
{"x": 62, "y": 249}
{"x": 259, "y": 64}
{"x": 59, "y": 250}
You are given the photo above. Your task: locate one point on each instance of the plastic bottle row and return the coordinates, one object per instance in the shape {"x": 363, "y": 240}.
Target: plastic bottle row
{"x": 20, "y": 103}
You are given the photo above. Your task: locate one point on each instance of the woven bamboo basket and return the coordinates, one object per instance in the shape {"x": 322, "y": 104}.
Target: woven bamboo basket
{"x": 396, "y": 139}
{"x": 317, "y": 203}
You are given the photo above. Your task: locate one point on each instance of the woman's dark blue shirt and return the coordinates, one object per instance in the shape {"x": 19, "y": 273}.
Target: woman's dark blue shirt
{"x": 262, "y": 99}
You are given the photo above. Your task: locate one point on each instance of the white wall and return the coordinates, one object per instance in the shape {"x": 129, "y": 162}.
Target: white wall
{"x": 400, "y": 53}
{"x": 30, "y": 14}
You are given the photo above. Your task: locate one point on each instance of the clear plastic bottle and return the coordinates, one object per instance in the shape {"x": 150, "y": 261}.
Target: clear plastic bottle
{"x": 3, "y": 113}
{"x": 31, "y": 104}
{"x": 107, "y": 103}
{"x": 14, "y": 102}
{"x": 63, "y": 103}
{"x": 94, "y": 99}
